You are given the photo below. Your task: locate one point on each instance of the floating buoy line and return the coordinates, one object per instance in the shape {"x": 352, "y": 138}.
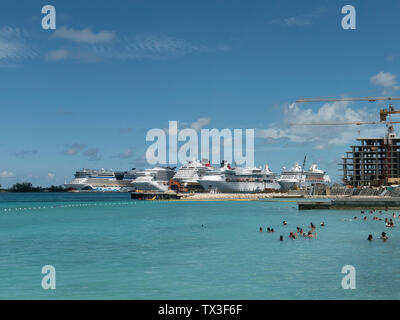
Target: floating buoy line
{"x": 77, "y": 205}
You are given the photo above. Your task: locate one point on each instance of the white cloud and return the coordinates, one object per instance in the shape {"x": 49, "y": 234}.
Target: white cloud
{"x": 384, "y": 79}
{"x": 56, "y": 55}
{"x": 25, "y": 153}
{"x": 72, "y": 149}
{"x": 200, "y": 123}
{"x": 126, "y": 154}
{"x": 6, "y": 174}
{"x": 301, "y": 20}
{"x": 92, "y": 154}
{"x": 13, "y": 44}
{"x": 320, "y": 137}
{"x": 152, "y": 47}
{"x": 84, "y": 36}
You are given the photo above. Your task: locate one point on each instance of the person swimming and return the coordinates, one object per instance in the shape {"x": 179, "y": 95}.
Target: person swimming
{"x": 384, "y": 236}
{"x": 370, "y": 237}
{"x": 365, "y": 218}
{"x": 260, "y": 229}
{"x": 309, "y": 234}
{"x": 272, "y": 230}
{"x": 268, "y": 229}
{"x": 281, "y": 238}
{"x": 284, "y": 223}
{"x": 390, "y": 223}
{"x": 322, "y": 224}
{"x": 312, "y": 226}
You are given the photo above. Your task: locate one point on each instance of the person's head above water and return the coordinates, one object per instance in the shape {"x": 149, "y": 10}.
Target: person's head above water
{"x": 370, "y": 237}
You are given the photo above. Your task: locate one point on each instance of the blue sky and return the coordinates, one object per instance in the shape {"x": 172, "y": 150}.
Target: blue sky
{"x": 85, "y": 94}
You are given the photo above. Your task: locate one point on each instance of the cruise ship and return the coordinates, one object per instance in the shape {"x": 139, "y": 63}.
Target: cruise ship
{"x": 188, "y": 176}
{"x": 296, "y": 177}
{"x": 155, "y": 179}
{"x": 101, "y": 180}
{"x": 316, "y": 176}
{"x": 240, "y": 180}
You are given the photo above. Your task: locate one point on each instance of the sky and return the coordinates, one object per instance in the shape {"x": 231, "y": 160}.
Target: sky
{"x": 85, "y": 94}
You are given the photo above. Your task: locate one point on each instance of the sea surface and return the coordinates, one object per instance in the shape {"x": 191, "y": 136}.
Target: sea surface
{"x": 106, "y": 246}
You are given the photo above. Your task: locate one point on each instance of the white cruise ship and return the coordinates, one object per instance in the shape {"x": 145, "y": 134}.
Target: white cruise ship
{"x": 290, "y": 178}
{"x": 243, "y": 180}
{"x": 316, "y": 176}
{"x": 100, "y": 180}
{"x": 188, "y": 176}
{"x": 296, "y": 177}
{"x": 155, "y": 179}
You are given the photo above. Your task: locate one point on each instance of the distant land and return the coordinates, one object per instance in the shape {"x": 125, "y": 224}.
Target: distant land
{"x": 28, "y": 187}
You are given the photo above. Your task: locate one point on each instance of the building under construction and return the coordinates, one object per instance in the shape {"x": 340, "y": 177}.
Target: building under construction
{"x": 373, "y": 162}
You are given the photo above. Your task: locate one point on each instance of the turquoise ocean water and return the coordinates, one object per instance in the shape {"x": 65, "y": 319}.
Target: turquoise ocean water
{"x": 105, "y": 246}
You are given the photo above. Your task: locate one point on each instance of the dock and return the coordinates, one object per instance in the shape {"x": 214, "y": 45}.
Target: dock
{"x": 155, "y": 196}
{"x": 350, "y": 203}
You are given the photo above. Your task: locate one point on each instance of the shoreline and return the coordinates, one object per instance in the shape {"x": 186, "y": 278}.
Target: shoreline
{"x": 270, "y": 196}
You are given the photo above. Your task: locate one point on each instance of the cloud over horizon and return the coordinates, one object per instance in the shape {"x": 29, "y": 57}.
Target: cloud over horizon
{"x": 13, "y": 44}
{"x": 321, "y": 137}
{"x": 84, "y": 36}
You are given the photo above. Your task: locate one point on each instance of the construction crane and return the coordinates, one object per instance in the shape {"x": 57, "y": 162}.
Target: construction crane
{"x": 383, "y": 117}
{"x": 370, "y": 99}
{"x": 383, "y": 113}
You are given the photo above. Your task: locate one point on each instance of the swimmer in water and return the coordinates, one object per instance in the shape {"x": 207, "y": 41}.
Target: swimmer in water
{"x": 322, "y": 224}
{"x": 370, "y": 237}
{"x": 268, "y": 229}
{"x": 281, "y": 238}
{"x": 284, "y": 223}
{"x": 260, "y": 229}
{"x": 384, "y": 236}
{"x": 365, "y": 218}
{"x": 312, "y": 226}
{"x": 272, "y": 230}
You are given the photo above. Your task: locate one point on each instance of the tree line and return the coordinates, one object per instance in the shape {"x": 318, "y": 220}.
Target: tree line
{"x": 28, "y": 187}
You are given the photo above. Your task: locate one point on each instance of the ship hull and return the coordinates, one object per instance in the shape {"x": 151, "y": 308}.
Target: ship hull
{"x": 288, "y": 185}
{"x": 238, "y": 187}
{"x": 150, "y": 186}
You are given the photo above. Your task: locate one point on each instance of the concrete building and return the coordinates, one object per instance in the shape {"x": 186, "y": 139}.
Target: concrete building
{"x": 373, "y": 162}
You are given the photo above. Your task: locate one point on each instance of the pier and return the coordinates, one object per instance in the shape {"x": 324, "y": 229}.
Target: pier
{"x": 351, "y": 203}
{"x": 155, "y": 196}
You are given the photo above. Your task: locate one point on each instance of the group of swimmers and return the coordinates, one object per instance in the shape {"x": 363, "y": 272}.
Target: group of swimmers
{"x": 388, "y": 222}
{"x": 299, "y": 231}
{"x": 384, "y": 237}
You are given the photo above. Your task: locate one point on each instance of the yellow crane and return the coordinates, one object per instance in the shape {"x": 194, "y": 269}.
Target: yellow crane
{"x": 383, "y": 113}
